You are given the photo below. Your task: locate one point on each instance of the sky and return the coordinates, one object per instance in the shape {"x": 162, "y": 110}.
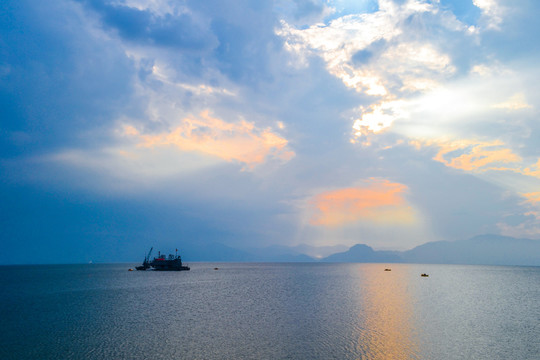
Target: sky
{"x": 127, "y": 124}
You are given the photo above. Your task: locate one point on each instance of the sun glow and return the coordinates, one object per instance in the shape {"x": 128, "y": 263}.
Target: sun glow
{"x": 380, "y": 201}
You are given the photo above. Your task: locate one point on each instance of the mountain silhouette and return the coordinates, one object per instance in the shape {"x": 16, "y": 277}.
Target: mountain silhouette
{"x": 363, "y": 253}
{"x": 483, "y": 249}
{"x": 479, "y": 250}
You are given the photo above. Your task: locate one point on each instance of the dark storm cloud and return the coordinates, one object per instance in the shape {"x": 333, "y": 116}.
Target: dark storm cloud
{"x": 247, "y": 43}
{"x": 52, "y": 86}
{"x": 179, "y": 31}
{"x": 236, "y": 38}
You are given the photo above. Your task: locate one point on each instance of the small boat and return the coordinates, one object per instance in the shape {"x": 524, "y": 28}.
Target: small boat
{"x": 424, "y": 275}
{"x": 216, "y": 268}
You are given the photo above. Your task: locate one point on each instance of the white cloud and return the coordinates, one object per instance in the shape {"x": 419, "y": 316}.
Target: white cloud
{"x": 530, "y": 228}
{"x": 515, "y": 102}
{"x": 491, "y": 12}
{"x": 158, "y": 7}
{"x": 454, "y": 109}
{"x": 393, "y": 66}
{"x": 380, "y": 117}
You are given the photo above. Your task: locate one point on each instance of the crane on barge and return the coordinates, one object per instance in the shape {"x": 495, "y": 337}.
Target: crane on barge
{"x": 146, "y": 263}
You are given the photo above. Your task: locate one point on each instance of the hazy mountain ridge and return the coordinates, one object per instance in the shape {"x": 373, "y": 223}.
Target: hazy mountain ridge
{"x": 363, "y": 253}
{"x": 480, "y": 250}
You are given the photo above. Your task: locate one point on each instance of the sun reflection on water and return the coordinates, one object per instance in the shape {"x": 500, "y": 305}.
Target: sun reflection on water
{"x": 386, "y": 314}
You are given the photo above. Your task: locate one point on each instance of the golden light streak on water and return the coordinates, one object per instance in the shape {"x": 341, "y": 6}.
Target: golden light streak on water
{"x": 387, "y": 314}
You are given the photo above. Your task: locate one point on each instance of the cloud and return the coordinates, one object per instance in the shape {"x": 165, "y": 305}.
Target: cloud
{"x": 479, "y": 104}
{"x": 533, "y": 171}
{"x": 181, "y": 29}
{"x": 528, "y": 225}
{"x": 54, "y": 86}
{"x": 167, "y": 101}
{"x": 491, "y": 13}
{"x": 417, "y": 61}
{"x": 492, "y": 162}
{"x": 240, "y": 141}
{"x": 470, "y": 155}
{"x": 378, "y": 201}
{"x": 515, "y": 102}
{"x": 379, "y": 117}
{"x": 301, "y": 12}
{"x": 342, "y": 42}
{"x": 528, "y": 229}
{"x": 479, "y": 156}
{"x": 533, "y": 198}
{"x": 388, "y": 54}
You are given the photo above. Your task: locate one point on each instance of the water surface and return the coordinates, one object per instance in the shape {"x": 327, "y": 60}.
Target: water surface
{"x": 270, "y": 311}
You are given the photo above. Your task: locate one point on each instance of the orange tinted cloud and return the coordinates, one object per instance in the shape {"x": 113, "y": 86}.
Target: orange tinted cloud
{"x": 472, "y": 155}
{"x": 533, "y": 197}
{"x": 241, "y": 141}
{"x": 380, "y": 201}
{"x": 533, "y": 171}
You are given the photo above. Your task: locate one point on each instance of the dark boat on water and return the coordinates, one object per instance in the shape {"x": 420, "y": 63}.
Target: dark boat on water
{"x": 163, "y": 263}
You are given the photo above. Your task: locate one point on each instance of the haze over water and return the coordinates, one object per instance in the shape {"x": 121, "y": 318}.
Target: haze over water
{"x": 270, "y": 311}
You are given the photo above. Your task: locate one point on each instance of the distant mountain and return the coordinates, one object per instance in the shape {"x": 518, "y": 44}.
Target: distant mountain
{"x": 483, "y": 249}
{"x": 480, "y": 250}
{"x": 363, "y": 253}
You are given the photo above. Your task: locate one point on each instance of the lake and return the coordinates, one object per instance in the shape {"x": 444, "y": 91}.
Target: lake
{"x": 270, "y": 311}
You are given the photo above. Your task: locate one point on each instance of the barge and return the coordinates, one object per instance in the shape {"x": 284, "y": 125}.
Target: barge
{"x": 163, "y": 262}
